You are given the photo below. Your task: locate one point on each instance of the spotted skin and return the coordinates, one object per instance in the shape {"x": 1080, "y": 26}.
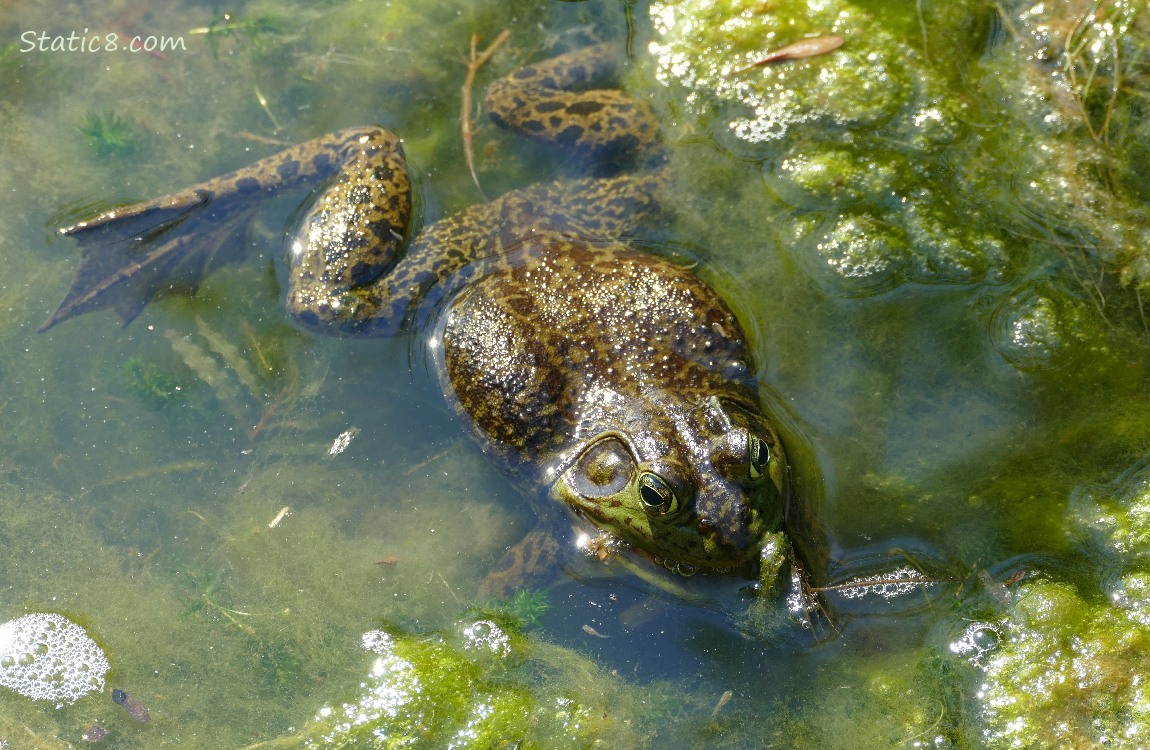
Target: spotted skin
{"x": 548, "y": 102}
{"x": 612, "y": 381}
{"x": 584, "y": 365}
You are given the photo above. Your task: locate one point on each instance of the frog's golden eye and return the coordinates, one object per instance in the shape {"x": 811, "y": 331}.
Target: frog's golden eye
{"x": 656, "y": 494}
{"x": 758, "y": 456}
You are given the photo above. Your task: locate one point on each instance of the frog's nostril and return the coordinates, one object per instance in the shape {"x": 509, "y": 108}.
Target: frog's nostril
{"x": 722, "y": 516}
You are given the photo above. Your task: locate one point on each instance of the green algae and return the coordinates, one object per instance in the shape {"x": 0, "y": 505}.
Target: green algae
{"x": 476, "y": 686}
{"x": 850, "y": 141}
{"x": 1064, "y": 669}
{"x": 1068, "y": 673}
{"x": 1112, "y": 522}
{"x": 882, "y": 159}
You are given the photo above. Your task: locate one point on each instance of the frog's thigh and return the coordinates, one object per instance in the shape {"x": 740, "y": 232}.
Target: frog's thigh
{"x": 503, "y": 363}
{"x": 529, "y": 561}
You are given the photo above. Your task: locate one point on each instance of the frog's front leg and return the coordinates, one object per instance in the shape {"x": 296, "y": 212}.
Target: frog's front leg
{"x": 781, "y": 576}
{"x": 774, "y": 556}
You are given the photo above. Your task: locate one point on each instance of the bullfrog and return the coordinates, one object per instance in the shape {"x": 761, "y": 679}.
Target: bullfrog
{"x": 608, "y": 380}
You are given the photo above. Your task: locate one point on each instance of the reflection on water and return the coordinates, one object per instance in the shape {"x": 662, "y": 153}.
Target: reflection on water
{"x": 933, "y": 233}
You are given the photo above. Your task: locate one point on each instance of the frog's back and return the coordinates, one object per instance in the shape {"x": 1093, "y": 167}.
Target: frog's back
{"x": 530, "y": 349}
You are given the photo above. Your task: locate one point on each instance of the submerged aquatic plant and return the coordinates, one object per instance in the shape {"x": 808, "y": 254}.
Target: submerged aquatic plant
{"x": 255, "y": 383}
{"x": 254, "y": 29}
{"x": 1103, "y": 63}
{"x": 521, "y": 610}
{"x": 151, "y": 384}
{"x": 110, "y": 135}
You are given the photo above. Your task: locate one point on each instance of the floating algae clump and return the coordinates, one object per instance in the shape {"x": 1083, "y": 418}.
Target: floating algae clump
{"x": 48, "y": 657}
{"x": 1113, "y": 520}
{"x": 476, "y": 687}
{"x": 1070, "y": 671}
{"x": 855, "y": 144}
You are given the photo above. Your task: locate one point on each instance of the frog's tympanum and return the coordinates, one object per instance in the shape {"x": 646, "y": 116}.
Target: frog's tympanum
{"x": 613, "y": 381}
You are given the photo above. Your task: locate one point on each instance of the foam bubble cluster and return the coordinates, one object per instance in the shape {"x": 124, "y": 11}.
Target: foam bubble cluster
{"x": 45, "y": 656}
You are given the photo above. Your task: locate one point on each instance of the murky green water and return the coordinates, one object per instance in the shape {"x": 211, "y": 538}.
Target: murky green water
{"x": 936, "y": 236}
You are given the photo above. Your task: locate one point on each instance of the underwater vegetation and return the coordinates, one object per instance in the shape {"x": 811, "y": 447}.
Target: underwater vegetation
{"x": 260, "y": 30}
{"x": 257, "y": 379}
{"x": 109, "y": 134}
{"x": 151, "y": 384}
{"x": 520, "y": 610}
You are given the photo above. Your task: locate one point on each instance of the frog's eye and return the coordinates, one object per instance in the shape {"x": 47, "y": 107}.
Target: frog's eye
{"x": 656, "y": 494}
{"x": 603, "y": 470}
{"x": 758, "y": 456}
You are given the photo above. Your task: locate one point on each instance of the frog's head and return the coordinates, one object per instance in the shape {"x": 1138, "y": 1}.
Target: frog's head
{"x": 694, "y": 485}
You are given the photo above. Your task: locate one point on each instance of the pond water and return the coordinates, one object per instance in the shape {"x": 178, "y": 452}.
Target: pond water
{"x": 936, "y": 237}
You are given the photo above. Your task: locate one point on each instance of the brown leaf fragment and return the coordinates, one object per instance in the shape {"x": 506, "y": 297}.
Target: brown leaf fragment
{"x": 818, "y": 45}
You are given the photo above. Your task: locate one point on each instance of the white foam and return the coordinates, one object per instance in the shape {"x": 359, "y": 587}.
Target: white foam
{"x": 46, "y": 656}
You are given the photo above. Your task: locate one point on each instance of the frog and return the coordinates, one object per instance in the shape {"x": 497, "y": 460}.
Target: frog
{"x": 609, "y": 381}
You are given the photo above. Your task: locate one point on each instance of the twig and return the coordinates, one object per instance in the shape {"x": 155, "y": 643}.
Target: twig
{"x": 1142, "y": 314}
{"x": 922, "y": 27}
{"x": 852, "y": 586}
{"x": 449, "y": 589}
{"x": 473, "y": 66}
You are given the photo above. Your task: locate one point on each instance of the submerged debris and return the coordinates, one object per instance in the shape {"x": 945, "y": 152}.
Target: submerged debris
{"x": 135, "y": 709}
{"x": 94, "y": 733}
{"x": 724, "y": 699}
{"x": 284, "y": 513}
{"x": 819, "y": 45}
{"x": 342, "y": 440}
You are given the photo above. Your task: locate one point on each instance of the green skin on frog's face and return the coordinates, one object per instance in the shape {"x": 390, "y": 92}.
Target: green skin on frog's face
{"x": 698, "y": 487}
{"x": 611, "y": 380}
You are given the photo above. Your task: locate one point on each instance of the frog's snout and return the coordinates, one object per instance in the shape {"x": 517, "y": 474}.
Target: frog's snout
{"x": 724, "y": 516}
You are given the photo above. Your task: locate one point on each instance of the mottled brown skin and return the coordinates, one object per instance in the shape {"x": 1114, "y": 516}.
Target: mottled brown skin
{"x": 588, "y": 366}
{"x": 613, "y": 381}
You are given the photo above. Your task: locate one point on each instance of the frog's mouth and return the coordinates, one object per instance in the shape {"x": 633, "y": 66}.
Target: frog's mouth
{"x": 607, "y": 548}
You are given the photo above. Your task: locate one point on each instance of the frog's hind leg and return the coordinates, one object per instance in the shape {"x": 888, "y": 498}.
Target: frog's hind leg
{"x": 568, "y": 101}
{"x": 130, "y": 255}
{"x": 353, "y": 236}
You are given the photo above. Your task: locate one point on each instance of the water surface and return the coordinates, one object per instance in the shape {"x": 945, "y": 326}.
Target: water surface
{"x": 951, "y": 394}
